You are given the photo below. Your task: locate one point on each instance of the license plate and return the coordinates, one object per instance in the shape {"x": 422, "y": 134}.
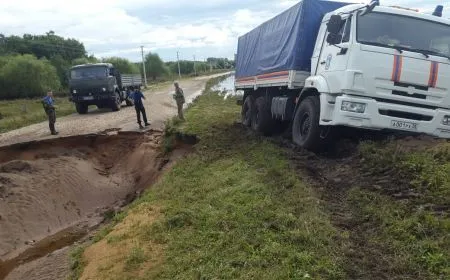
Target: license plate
{"x": 88, "y": 98}
{"x": 404, "y": 125}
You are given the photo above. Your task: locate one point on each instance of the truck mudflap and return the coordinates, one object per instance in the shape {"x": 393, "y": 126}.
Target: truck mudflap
{"x": 372, "y": 114}
{"x": 239, "y": 100}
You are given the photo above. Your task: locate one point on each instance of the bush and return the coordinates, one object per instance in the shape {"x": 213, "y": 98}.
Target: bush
{"x": 25, "y": 76}
{"x": 123, "y": 65}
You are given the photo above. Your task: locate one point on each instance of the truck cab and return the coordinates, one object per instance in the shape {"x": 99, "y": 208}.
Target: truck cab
{"x": 321, "y": 65}
{"x": 386, "y": 68}
{"x": 97, "y": 84}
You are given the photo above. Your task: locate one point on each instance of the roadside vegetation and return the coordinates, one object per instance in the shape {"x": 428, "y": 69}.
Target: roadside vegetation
{"x": 18, "y": 113}
{"x": 231, "y": 210}
{"x": 410, "y": 219}
{"x": 241, "y": 207}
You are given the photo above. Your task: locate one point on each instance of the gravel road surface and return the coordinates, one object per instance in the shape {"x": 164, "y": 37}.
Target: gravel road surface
{"x": 159, "y": 106}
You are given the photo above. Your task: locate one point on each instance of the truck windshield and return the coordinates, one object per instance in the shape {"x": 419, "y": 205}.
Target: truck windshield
{"x": 88, "y": 73}
{"x": 404, "y": 33}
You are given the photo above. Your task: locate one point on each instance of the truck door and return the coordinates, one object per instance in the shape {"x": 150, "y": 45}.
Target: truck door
{"x": 335, "y": 57}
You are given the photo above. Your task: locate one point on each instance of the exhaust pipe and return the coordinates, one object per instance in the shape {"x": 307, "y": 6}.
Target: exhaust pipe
{"x": 438, "y": 11}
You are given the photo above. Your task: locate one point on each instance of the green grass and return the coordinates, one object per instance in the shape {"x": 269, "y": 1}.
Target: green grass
{"x": 18, "y": 113}
{"x": 113, "y": 220}
{"x": 135, "y": 258}
{"x": 413, "y": 233}
{"x": 235, "y": 210}
{"x": 76, "y": 263}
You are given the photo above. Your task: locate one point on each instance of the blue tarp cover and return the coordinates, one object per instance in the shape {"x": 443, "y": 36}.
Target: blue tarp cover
{"x": 285, "y": 42}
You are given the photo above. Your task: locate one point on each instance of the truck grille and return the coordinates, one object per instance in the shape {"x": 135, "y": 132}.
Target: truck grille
{"x": 405, "y": 115}
{"x": 405, "y": 94}
{"x": 94, "y": 91}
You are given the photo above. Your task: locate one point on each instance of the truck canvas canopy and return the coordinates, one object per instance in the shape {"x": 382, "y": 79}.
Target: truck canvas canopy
{"x": 285, "y": 42}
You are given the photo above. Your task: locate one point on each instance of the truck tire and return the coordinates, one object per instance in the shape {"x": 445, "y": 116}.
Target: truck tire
{"x": 129, "y": 102}
{"x": 116, "y": 103}
{"x": 262, "y": 121}
{"x": 247, "y": 111}
{"x": 81, "y": 108}
{"x": 305, "y": 128}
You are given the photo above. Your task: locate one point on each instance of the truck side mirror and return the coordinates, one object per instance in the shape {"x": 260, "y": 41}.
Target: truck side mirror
{"x": 334, "y": 39}
{"x": 335, "y": 24}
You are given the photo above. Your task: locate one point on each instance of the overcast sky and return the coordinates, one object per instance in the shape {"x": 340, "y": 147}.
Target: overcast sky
{"x": 120, "y": 27}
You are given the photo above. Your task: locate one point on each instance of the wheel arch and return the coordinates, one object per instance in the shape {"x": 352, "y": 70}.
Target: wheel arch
{"x": 314, "y": 86}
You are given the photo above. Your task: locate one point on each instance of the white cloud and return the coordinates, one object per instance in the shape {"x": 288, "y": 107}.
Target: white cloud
{"x": 109, "y": 27}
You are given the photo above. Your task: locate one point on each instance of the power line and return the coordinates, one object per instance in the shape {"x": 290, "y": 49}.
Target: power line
{"x": 195, "y": 70}
{"x": 143, "y": 66}
{"x": 178, "y": 59}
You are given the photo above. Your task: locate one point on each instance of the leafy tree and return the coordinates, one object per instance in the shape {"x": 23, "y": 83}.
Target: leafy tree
{"x": 25, "y": 76}
{"x": 123, "y": 65}
{"x": 84, "y": 60}
{"x": 47, "y": 45}
{"x": 154, "y": 66}
{"x": 62, "y": 67}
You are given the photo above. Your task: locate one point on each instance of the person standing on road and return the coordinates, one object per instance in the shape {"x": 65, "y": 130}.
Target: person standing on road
{"x": 49, "y": 106}
{"x": 139, "y": 106}
{"x": 179, "y": 98}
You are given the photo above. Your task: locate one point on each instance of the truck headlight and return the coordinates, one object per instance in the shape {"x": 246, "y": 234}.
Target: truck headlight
{"x": 446, "y": 120}
{"x": 354, "y": 107}
{"x": 74, "y": 91}
{"x": 103, "y": 89}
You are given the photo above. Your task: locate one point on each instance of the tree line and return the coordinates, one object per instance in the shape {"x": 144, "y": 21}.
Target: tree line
{"x": 32, "y": 64}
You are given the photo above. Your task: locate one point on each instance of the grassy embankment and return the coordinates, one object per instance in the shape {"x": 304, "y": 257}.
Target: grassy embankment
{"x": 236, "y": 209}
{"x": 18, "y": 113}
{"x": 408, "y": 224}
{"x": 231, "y": 210}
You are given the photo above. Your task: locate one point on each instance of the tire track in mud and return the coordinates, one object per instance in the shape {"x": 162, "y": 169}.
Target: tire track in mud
{"x": 335, "y": 175}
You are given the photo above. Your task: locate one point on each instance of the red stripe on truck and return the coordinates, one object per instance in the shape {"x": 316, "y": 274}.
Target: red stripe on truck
{"x": 434, "y": 72}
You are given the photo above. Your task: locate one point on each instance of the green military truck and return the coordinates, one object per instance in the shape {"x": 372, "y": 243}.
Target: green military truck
{"x": 102, "y": 85}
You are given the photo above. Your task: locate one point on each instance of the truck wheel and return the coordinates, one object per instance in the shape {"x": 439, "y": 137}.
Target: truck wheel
{"x": 129, "y": 102}
{"x": 247, "y": 111}
{"x": 81, "y": 108}
{"x": 262, "y": 121}
{"x": 305, "y": 128}
{"x": 116, "y": 103}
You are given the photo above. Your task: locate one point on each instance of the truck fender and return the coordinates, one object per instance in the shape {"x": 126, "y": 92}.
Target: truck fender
{"x": 317, "y": 82}
{"x": 315, "y": 85}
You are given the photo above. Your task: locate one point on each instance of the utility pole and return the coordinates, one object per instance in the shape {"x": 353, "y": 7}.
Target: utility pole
{"x": 178, "y": 59}
{"x": 195, "y": 70}
{"x": 143, "y": 66}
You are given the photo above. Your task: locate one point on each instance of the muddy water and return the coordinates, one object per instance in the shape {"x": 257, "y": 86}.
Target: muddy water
{"x": 226, "y": 87}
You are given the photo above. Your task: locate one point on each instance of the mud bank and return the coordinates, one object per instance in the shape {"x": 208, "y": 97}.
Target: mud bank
{"x": 53, "y": 192}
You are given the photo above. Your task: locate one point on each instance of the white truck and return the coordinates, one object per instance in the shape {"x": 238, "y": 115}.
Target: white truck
{"x": 323, "y": 64}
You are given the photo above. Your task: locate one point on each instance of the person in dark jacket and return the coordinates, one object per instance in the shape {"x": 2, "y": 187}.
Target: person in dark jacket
{"x": 139, "y": 106}
{"x": 49, "y": 106}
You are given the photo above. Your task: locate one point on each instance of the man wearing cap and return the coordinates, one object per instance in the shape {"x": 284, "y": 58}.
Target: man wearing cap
{"x": 179, "y": 98}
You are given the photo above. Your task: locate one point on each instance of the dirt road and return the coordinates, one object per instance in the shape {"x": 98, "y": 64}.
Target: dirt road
{"x": 159, "y": 106}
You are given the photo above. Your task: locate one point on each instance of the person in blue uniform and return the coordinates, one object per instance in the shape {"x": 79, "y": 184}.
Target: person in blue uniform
{"x": 139, "y": 106}
{"x": 49, "y": 106}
